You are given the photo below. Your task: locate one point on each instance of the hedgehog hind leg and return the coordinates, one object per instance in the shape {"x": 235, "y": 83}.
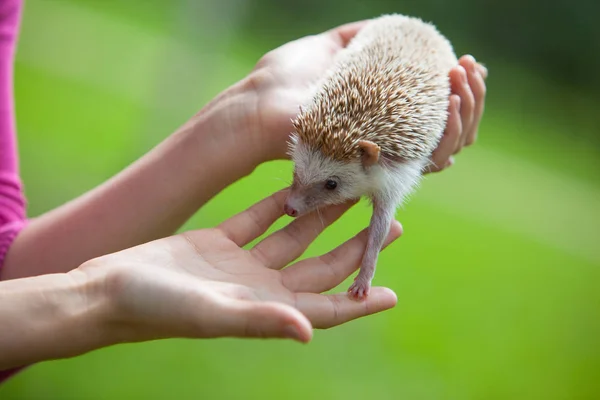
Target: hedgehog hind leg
{"x": 379, "y": 228}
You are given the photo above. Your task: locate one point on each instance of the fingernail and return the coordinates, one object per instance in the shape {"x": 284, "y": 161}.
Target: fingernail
{"x": 450, "y": 162}
{"x": 291, "y": 332}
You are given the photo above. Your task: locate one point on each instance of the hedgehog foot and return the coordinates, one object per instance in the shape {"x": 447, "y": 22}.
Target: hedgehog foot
{"x": 359, "y": 289}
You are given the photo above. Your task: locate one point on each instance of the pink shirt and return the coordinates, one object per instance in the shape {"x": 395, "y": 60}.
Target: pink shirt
{"x": 12, "y": 200}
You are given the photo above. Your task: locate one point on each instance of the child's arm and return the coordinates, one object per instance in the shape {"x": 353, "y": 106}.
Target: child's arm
{"x": 244, "y": 126}
{"x": 193, "y": 285}
{"x": 150, "y": 199}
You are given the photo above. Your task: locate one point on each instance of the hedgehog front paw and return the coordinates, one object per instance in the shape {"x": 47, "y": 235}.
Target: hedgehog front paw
{"x": 359, "y": 289}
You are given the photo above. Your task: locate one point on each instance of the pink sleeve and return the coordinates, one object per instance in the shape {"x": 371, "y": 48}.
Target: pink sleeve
{"x": 12, "y": 200}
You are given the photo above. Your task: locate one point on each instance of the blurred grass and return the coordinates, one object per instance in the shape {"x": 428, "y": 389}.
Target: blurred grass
{"x": 497, "y": 273}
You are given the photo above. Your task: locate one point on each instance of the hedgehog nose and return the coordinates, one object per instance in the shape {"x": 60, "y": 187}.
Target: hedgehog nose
{"x": 292, "y": 212}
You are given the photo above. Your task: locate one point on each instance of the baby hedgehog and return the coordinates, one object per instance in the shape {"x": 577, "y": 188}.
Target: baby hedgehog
{"x": 371, "y": 126}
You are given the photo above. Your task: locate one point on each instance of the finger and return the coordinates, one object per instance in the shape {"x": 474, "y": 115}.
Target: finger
{"x": 343, "y": 34}
{"x": 326, "y": 311}
{"x": 287, "y": 244}
{"x": 451, "y": 138}
{"x": 253, "y": 222}
{"x": 470, "y": 65}
{"x": 477, "y": 83}
{"x": 460, "y": 86}
{"x": 482, "y": 70}
{"x": 255, "y": 319}
{"x": 323, "y": 273}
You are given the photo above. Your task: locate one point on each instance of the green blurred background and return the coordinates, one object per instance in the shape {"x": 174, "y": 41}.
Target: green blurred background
{"x": 499, "y": 269}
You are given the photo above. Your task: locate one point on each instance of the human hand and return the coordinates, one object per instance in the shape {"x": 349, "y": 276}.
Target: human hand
{"x": 258, "y": 111}
{"x": 203, "y": 284}
{"x": 464, "y": 112}
{"x": 282, "y": 81}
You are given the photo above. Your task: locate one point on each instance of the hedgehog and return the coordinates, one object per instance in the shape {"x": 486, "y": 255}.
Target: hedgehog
{"x": 371, "y": 126}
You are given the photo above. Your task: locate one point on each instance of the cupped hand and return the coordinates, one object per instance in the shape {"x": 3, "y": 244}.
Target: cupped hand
{"x": 204, "y": 284}
{"x": 467, "y": 81}
{"x": 283, "y": 79}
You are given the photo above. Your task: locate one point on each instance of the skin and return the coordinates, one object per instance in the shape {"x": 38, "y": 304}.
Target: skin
{"x": 155, "y": 195}
{"x": 465, "y": 111}
{"x": 199, "y": 284}
{"x": 54, "y": 303}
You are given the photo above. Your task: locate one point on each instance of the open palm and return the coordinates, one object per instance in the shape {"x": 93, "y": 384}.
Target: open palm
{"x": 205, "y": 284}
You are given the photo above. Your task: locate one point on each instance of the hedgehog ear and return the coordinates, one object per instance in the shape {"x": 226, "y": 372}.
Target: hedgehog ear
{"x": 370, "y": 153}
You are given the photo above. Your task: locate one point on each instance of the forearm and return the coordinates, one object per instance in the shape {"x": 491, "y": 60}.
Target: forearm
{"x": 50, "y": 317}
{"x": 150, "y": 199}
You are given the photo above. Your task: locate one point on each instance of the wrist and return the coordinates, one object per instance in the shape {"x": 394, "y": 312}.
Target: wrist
{"x": 51, "y": 317}
{"x": 92, "y": 310}
{"x": 93, "y": 313}
{"x": 254, "y": 130}
{"x": 231, "y": 127}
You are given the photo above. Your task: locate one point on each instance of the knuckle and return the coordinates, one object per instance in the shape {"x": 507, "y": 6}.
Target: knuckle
{"x": 254, "y": 218}
{"x": 259, "y": 254}
{"x": 336, "y": 315}
{"x": 218, "y": 231}
{"x": 332, "y": 272}
{"x": 330, "y": 258}
{"x": 294, "y": 232}
{"x": 259, "y": 78}
{"x": 264, "y": 61}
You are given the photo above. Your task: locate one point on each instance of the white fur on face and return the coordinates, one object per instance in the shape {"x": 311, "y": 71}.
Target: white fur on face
{"x": 390, "y": 183}
{"x": 313, "y": 168}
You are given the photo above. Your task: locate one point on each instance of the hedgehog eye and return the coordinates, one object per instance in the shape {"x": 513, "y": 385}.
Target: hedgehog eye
{"x": 330, "y": 184}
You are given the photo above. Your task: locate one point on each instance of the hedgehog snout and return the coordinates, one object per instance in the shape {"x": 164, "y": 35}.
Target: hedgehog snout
{"x": 296, "y": 204}
{"x": 293, "y": 206}
{"x": 289, "y": 210}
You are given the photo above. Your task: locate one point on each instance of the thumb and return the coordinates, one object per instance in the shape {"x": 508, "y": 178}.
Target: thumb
{"x": 270, "y": 320}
